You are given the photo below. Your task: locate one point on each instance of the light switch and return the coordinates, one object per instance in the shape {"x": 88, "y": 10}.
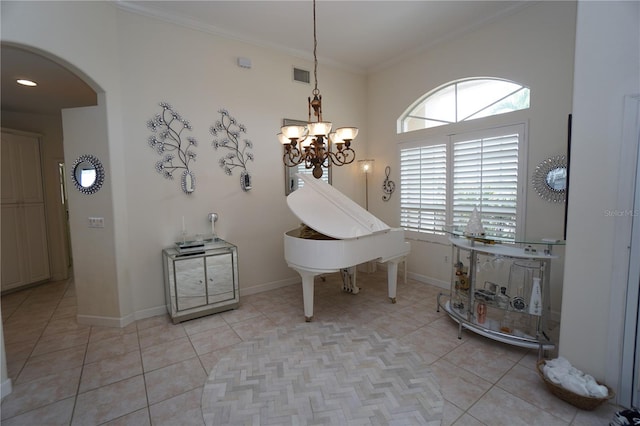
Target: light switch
{"x": 96, "y": 222}
{"x": 244, "y": 62}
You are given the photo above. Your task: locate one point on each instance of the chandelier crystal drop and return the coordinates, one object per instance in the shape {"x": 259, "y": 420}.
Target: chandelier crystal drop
{"x": 312, "y": 144}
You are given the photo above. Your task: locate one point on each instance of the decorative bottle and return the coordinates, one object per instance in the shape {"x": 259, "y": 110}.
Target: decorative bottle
{"x": 535, "y": 302}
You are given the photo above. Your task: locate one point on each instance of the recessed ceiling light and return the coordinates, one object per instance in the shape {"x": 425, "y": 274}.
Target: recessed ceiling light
{"x": 27, "y": 82}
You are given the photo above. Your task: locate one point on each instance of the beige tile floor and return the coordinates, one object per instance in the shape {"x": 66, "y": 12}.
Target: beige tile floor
{"x": 153, "y": 372}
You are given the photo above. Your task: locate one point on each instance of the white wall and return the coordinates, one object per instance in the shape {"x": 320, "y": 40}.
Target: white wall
{"x": 135, "y": 62}
{"x": 94, "y": 253}
{"x": 607, "y": 67}
{"x": 198, "y": 77}
{"x": 534, "y": 47}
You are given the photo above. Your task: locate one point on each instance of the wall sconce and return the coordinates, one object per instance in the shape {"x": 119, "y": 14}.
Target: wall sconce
{"x": 366, "y": 167}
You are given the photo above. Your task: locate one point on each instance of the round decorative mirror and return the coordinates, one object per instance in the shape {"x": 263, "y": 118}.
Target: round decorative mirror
{"x": 87, "y": 174}
{"x": 550, "y": 179}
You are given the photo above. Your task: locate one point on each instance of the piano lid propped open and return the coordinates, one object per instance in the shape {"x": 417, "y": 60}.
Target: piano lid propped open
{"x": 328, "y": 211}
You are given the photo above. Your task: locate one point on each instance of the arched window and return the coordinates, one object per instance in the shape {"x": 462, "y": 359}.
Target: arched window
{"x": 464, "y": 100}
{"x": 446, "y": 173}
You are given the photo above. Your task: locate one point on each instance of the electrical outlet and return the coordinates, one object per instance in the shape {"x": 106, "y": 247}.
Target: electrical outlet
{"x": 96, "y": 222}
{"x": 446, "y": 259}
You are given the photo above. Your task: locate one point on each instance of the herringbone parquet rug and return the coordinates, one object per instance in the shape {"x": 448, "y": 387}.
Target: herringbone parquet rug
{"x": 321, "y": 374}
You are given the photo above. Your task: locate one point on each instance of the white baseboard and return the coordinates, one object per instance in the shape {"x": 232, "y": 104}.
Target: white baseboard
{"x": 100, "y": 321}
{"x": 429, "y": 280}
{"x": 148, "y": 313}
{"x": 270, "y": 286}
{"x": 121, "y": 322}
{"x": 162, "y": 310}
{"x": 5, "y": 388}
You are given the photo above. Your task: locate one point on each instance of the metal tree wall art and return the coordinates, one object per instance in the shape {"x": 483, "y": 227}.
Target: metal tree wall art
{"x": 229, "y": 132}
{"x": 167, "y": 140}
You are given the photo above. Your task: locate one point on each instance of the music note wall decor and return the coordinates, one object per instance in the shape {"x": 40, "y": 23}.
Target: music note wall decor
{"x": 388, "y": 186}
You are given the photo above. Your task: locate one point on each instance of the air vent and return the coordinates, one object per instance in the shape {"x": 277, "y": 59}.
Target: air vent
{"x": 303, "y": 76}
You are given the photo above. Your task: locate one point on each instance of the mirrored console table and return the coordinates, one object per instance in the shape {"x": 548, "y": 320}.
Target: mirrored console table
{"x": 201, "y": 278}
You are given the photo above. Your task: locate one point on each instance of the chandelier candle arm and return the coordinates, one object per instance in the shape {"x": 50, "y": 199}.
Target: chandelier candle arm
{"x": 311, "y": 144}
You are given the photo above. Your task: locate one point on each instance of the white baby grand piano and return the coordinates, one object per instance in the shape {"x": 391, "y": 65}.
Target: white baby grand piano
{"x": 350, "y": 235}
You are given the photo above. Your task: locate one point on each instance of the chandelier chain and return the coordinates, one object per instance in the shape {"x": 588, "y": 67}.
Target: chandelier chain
{"x": 313, "y": 144}
{"x": 315, "y": 49}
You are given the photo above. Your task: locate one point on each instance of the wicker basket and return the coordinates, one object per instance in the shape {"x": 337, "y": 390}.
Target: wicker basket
{"x": 582, "y": 402}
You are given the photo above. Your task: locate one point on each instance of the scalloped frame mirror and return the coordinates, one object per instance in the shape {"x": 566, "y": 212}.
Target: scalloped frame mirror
{"x": 550, "y": 179}
{"x": 87, "y": 174}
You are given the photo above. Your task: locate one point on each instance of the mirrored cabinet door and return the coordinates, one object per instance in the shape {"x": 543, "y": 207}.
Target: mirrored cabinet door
{"x": 220, "y": 277}
{"x": 191, "y": 289}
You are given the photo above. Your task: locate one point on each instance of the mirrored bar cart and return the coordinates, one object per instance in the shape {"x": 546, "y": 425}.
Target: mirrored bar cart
{"x": 201, "y": 278}
{"x": 501, "y": 291}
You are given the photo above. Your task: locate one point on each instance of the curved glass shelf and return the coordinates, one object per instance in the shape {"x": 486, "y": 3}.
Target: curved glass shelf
{"x": 491, "y": 240}
{"x": 497, "y": 249}
{"x": 542, "y": 342}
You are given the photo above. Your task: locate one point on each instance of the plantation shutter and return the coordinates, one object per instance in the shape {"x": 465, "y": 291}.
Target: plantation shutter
{"x": 423, "y": 198}
{"x": 302, "y": 170}
{"x": 485, "y": 176}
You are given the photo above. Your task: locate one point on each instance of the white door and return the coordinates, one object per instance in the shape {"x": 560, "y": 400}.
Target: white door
{"x": 631, "y": 346}
{"x": 25, "y": 250}
{"x": 630, "y": 372}
{"x": 14, "y": 273}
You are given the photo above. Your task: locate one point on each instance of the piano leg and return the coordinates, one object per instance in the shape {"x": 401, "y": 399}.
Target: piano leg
{"x": 307, "y": 293}
{"x": 392, "y": 278}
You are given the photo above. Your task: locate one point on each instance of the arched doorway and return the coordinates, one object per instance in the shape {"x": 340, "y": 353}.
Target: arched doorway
{"x": 37, "y": 110}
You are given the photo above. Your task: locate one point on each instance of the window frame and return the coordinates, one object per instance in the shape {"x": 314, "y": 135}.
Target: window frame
{"x": 483, "y": 127}
{"x": 452, "y": 86}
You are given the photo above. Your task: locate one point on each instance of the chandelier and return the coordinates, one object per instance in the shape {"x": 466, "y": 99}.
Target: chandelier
{"x": 311, "y": 144}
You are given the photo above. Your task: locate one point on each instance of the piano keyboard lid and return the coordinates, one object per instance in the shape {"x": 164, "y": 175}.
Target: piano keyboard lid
{"x": 328, "y": 211}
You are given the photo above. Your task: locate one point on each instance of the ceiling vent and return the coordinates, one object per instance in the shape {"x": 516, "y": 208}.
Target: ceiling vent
{"x": 303, "y": 76}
